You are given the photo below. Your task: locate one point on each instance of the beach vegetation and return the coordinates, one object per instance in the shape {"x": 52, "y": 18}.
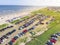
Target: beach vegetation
{"x": 53, "y": 27}
{"x": 3, "y": 26}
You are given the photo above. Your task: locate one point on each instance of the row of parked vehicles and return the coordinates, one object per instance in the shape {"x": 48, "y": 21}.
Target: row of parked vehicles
{"x": 30, "y": 22}
{"x": 24, "y": 20}
{"x": 6, "y": 36}
{"x": 22, "y": 33}
{"x": 53, "y": 39}
{"x": 6, "y": 28}
{"x": 19, "y": 35}
{"x": 27, "y": 24}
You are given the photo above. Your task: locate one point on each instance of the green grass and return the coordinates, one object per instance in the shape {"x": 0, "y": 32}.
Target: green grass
{"x": 26, "y": 17}
{"x": 13, "y": 22}
{"x": 20, "y": 41}
{"x": 53, "y": 28}
{"x": 45, "y": 36}
{"x": 17, "y": 43}
{"x": 3, "y": 25}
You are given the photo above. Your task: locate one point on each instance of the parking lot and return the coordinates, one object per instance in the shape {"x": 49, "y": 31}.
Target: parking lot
{"x": 16, "y": 28}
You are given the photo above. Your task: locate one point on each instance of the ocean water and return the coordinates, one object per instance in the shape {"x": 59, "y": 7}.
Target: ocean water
{"x": 7, "y": 9}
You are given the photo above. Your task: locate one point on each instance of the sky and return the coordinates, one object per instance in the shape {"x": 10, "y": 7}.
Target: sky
{"x": 31, "y": 2}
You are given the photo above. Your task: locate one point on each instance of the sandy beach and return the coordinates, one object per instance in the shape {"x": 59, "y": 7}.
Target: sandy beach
{"x": 3, "y": 19}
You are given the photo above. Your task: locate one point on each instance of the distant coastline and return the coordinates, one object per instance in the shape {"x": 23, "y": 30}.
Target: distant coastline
{"x": 15, "y": 11}
{"x": 7, "y": 9}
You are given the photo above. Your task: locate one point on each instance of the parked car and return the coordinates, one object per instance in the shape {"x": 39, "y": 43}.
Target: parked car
{"x": 13, "y": 40}
{"x": 6, "y": 28}
{"x": 12, "y": 31}
{"x": 26, "y": 25}
{"x": 1, "y": 40}
{"x": 58, "y": 34}
{"x": 21, "y": 27}
{"x": 32, "y": 33}
{"x": 9, "y": 33}
{"x": 49, "y": 43}
{"x": 54, "y": 35}
{"x": 24, "y": 31}
{"x": 5, "y": 36}
{"x": 21, "y": 34}
{"x": 30, "y": 22}
{"x": 16, "y": 37}
{"x": 3, "y": 29}
{"x": 10, "y": 43}
{"x": 11, "y": 26}
{"x": 53, "y": 40}
{"x": 31, "y": 28}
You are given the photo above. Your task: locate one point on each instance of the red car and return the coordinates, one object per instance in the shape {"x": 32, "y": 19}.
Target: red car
{"x": 13, "y": 40}
{"x": 53, "y": 40}
{"x": 24, "y": 31}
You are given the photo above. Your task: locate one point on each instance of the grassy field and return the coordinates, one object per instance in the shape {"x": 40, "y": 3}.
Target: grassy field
{"x": 21, "y": 40}
{"x": 3, "y": 25}
{"x": 53, "y": 27}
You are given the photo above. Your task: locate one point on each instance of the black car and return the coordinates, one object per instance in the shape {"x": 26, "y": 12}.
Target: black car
{"x": 5, "y": 36}
{"x": 49, "y": 43}
{"x": 13, "y": 31}
{"x": 31, "y": 28}
{"x": 8, "y": 26}
{"x": 54, "y": 36}
{"x": 11, "y": 26}
{"x": 9, "y": 33}
{"x": 16, "y": 37}
{"x": 1, "y": 30}
{"x": 1, "y": 40}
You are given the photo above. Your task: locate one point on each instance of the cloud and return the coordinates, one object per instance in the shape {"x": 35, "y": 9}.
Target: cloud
{"x": 31, "y": 2}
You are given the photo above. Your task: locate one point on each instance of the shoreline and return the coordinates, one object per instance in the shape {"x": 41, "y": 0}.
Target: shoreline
{"x": 17, "y": 14}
